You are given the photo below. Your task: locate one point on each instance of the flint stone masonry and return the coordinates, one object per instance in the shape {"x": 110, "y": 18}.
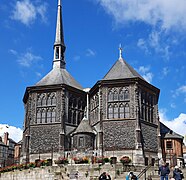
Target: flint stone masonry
{"x": 116, "y": 134}
{"x": 44, "y": 137}
{"x": 149, "y": 137}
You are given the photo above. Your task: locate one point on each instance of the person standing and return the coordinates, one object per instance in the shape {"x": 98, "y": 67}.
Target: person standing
{"x": 177, "y": 174}
{"x": 164, "y": 171}
{"x": 131, "y": 175}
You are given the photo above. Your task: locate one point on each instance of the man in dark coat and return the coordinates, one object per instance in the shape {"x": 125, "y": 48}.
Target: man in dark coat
{"x": 164, "y": 172}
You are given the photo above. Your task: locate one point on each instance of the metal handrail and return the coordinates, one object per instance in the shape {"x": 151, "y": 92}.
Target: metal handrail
{"x": 145, "y": 169}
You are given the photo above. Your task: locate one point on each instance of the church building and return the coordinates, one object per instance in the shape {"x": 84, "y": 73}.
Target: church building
{"x": 117, "y": 117}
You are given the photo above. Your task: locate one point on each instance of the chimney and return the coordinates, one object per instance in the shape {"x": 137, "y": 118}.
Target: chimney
{"x": 6, "y": 138}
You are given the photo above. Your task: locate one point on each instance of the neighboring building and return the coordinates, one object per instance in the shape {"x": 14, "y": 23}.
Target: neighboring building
{"x": 184, "y": 154}
{"x": 17, "y": 152}
{"x": 3, "y": 153}
{"x": 121, "y": 116}
{"x": 172, "y": 146}
{"x": 6, "y": 150}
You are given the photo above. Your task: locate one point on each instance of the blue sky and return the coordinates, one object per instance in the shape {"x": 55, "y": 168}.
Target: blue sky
{"x": 152, "y": 35}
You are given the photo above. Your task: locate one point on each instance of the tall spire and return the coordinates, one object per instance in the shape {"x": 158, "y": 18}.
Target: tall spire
{"x": 59, "y": 45}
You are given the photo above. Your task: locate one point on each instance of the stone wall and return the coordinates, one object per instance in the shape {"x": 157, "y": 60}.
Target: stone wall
{"x": 44, "y": 137}
{"x": 149, "y": 135}
{"x": 119, "y": 134}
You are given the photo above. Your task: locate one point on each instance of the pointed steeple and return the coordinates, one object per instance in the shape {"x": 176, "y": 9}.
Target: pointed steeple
{"x": 59, "y": 45}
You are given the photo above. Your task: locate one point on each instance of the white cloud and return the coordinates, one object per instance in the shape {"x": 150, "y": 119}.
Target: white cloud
{"x": 142, "y": 45}
{"x": 166, "y": 14}
{"x": 156, "y": 42}
{"x": 28, "y": 59}
{"x": 144, "y": 71}
{"x": 14, "y": 132}
{"x": 177, "y": 124}
{"x": 26, "y": 12}
{"x": 90, "y": 52}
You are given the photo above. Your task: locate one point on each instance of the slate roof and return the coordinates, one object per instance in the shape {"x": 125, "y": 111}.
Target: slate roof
{"x": 121, "y": 70}
{"x": 59, "y": 76}
{"x": 84, "y": 127}
{"x": 173, "y": 135}
{"x": 166, "y": 132}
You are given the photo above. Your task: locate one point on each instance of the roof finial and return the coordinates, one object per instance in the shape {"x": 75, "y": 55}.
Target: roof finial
{"x": 59, "y": 2}
{"x": 120, "y": 51}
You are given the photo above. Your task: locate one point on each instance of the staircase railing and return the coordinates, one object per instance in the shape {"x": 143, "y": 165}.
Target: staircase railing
{"x": 145, "y": 169}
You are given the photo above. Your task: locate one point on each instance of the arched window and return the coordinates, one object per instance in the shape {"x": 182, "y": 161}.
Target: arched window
{"x": 110, "y": 112}
{"x": 53, "y": 118}
{"x": 115, "y": 95}
{"x": 38, "y": 116}
{"x": 53, "y": 100}
{"x": 110, "y": 96}
{"x": 49, "y": 115}
{"x": 126, "y": 95}
{"x": 115, "y": 111}
{"x": 39, "y": 101}
{"x": 49, "y": 101}
{"x": 127, "y": 111}
{"x": 121, "y": 95}
{"x": 43, "y": 100}
{"x": 43, "y": 116}
{"x": 121, "y": 111}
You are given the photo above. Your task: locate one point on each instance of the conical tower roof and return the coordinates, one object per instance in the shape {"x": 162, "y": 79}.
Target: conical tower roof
{"x": 59, "y": 74}
{"x": 121, "y": 70}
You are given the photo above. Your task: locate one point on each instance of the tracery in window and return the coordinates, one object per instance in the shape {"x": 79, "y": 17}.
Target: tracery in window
{"x": 127, "y": 111}
{"x": 110, "y": 96}
{"x": 115, "y": 95}
{"x": 49, "y": 116}
{"x": 121, "y": 95}
{"x": 53, "y": 118}
{"x": 115, "y": 111}
{"x": 121, "y": 111}
{"x": 126, "y": 95}
{"x": 110, "y": 112}
{"x": 43, "y": 116}
{"x": 38, "y": 116}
